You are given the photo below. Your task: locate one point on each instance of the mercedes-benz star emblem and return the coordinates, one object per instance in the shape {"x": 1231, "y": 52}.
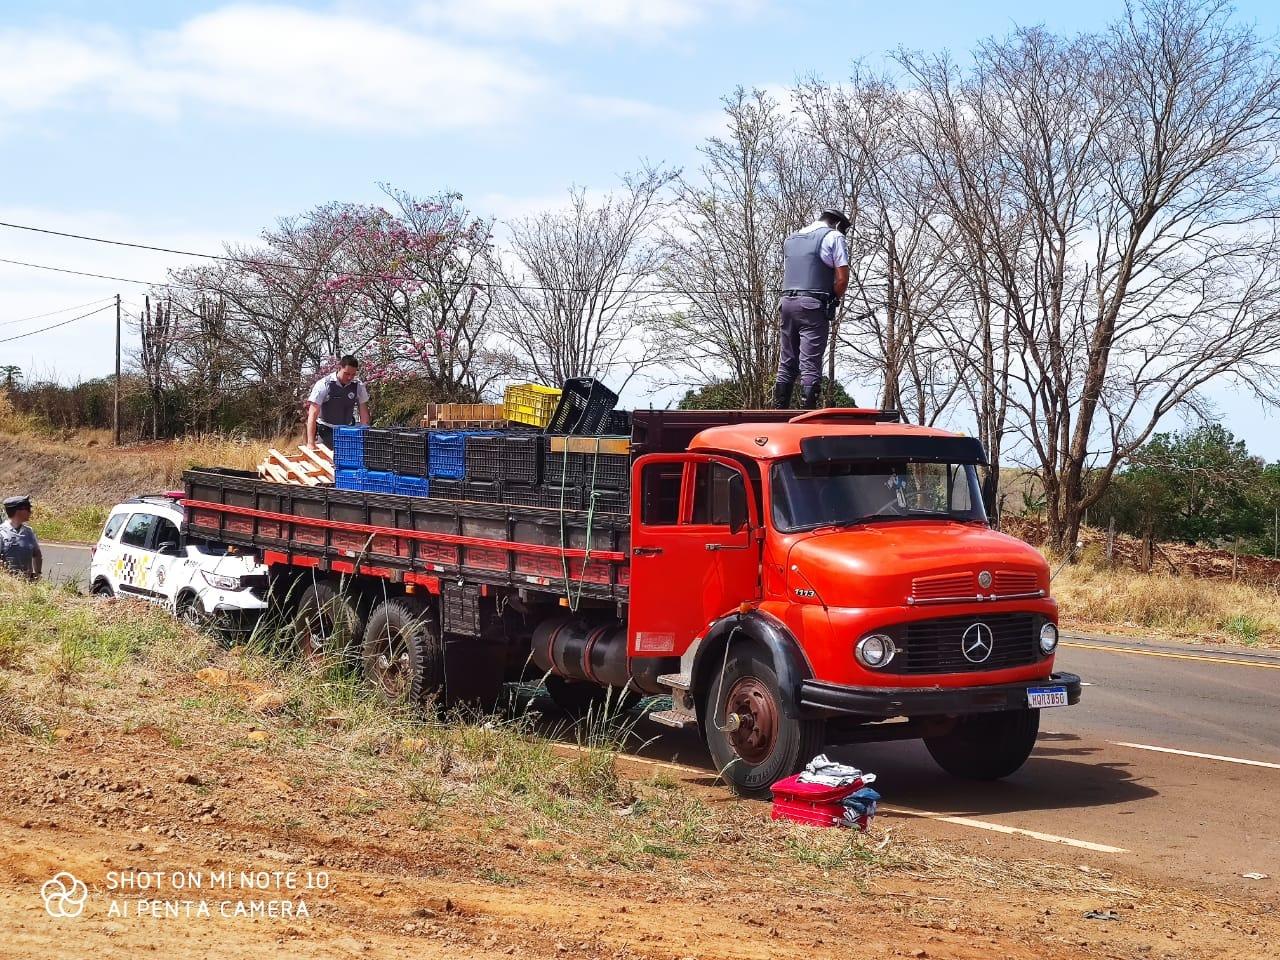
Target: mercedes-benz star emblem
{"x": 977, "y": 643}
{"x": 984, "y": 579}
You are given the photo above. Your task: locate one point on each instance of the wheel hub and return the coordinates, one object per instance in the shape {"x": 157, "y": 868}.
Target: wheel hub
{"x": 756, "y": 729}
{"x": 392, "y": 667}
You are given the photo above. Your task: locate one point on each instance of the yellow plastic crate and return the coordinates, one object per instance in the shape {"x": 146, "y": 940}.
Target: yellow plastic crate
{"x": 530, "y": 403}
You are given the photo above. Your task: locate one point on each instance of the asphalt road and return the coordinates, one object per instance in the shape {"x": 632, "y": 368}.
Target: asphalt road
{"x": 1101, "y": 785}
{"x": 1095, "y": 791}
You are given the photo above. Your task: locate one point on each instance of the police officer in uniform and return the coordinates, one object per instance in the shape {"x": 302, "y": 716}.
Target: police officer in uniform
{"x": 19, "y": 547}
{"x": 815, "y": 275}
{"x": 334, "y": 402}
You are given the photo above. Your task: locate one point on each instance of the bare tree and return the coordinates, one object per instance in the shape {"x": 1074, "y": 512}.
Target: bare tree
{"x": 577, "y": 293}
{"x": 902, "y": 277}
{"x": 723, "y": 244}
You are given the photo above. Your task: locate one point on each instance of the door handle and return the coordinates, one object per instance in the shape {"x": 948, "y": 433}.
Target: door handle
{"x": 646, "y": 551}
{"x": 729, "y": 546}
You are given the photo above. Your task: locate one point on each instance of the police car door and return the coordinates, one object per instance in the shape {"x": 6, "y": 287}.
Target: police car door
{"x": 165, "y": 552}
{"x": 133, "y": 559}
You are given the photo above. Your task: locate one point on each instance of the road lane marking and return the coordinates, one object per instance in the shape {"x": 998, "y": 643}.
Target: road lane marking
{"x": 1171, "y": 656}
{"x": 1201, "y": 756}
{"x": 1002, "y": 828}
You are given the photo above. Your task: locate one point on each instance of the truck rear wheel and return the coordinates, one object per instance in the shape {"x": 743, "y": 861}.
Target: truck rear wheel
{"x": 764, "y": 744}
{"x": 326, "y": 627}
{"x": 987, "y": 746}
{"x": 402, "y": 655}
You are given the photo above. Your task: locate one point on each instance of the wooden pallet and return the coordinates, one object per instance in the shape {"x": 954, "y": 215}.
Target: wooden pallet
{"x": 464, "y": 416}
{"x": 310, "y": 467}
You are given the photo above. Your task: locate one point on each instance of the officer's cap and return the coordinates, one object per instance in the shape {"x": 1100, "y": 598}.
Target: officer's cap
{"x": 14, "y": 504}
{"x": 842, "y": 222}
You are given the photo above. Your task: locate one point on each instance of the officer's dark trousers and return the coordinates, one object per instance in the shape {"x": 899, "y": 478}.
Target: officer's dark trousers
{"x": 805, "y": 328}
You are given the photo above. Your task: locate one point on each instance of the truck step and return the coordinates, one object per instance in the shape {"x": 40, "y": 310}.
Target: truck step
{"x": 676, "y": 681}
{"x": 672, "y": 718}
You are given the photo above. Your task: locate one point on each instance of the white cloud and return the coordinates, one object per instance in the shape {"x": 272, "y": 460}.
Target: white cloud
{"x": 561, "y": 20}
{"x": 324, "y": 69}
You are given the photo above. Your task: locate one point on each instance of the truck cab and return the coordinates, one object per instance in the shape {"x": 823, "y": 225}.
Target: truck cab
{"x": 834, "y": 578}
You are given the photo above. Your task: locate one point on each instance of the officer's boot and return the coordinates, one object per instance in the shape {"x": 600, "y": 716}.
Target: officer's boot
{"x": 781, "y": 395}
{"x": 811, "y": 395}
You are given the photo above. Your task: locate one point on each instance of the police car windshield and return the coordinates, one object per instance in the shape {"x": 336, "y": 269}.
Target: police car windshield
{"x": 840, "y": 493}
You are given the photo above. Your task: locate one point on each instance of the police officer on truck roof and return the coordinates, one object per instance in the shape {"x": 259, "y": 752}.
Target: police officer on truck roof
{"x": 334, "y": 402}
{"x": 815, "y": 274}
{"x": 19, "y": 548}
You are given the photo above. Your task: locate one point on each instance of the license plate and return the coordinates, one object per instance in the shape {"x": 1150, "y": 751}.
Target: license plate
{"x": 1039, "y": 697}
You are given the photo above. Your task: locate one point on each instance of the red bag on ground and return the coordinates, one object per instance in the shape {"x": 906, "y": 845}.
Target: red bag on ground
{"x": 813, "y": 803}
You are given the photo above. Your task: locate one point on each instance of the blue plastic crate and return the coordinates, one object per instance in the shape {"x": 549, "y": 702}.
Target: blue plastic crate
{"x": 379, "y": 481}
{"x": 348, "y": 448}
{"x": 447, "y": 452}
{"x": 349, "y": 479}
{"x": 412, "y": 486}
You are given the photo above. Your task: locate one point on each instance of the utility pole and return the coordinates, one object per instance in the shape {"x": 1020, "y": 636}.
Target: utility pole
{"x": 115, "y": 407}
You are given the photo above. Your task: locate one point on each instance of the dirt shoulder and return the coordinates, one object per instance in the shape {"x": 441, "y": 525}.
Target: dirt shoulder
{"x": 131, "y": 745}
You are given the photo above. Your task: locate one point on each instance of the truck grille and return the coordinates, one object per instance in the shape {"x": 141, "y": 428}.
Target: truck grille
{"x": 934, "y": 646}
{"x": 946, "y": 586}
{"x": 1015, "y": 581}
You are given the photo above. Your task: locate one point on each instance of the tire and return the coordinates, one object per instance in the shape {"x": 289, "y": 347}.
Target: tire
{"x": 402, "y": 656}
{"x": 768, "y": 745}
{"x": 326, "y": 626}
{"x": 102, "y": 590}
{"x": 578, "y": 699}
{"x": 987, "y": 746}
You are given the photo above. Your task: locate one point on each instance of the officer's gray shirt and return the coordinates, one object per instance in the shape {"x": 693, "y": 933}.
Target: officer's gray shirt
{"x": 18, "y": 546}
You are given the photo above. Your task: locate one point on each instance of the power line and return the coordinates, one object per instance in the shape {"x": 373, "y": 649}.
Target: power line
{"x": 41, "y": 316}
{"x": 96, "y": 276}
{"x": 55, "y": 326}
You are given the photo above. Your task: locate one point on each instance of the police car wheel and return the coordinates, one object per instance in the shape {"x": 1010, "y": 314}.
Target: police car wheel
{"x": 101, "y": 589}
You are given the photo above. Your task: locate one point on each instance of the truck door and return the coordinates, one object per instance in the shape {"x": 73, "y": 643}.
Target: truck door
{"x": 695, "y": 553}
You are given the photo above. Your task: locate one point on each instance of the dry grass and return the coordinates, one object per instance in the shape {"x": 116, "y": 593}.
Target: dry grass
{"x": 1163, "y": 604}
{"x": 76, "y": 479}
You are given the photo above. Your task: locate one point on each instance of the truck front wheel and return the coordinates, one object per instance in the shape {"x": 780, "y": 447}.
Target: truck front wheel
{"x": 402, "y": 656}
{"x": 748, "y": 733}
{"x": 987, "y": 746}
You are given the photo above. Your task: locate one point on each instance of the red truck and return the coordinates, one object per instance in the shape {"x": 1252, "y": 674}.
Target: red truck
{"x": 790, "y": 581}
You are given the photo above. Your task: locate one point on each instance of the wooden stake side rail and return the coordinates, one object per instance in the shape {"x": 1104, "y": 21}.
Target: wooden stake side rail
{"x": 410, "y": 539}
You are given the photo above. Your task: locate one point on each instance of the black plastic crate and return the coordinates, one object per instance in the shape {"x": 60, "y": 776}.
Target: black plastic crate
{"x": 605, "y": 471}
{"x": 584, "y": 405}
{"x": 511, "y": 458}
{"x": 570, "y": 499}
{"x": 379, "y": 450}
{"x": 448, "y": 489}
{"x": 484, "y": 491}
{"x": 409, "y": 449}
{"x": 524, "y": 496}
{"x": 617, "y": 424}
{"x": 610, "y": 501}
{"x": 560, "y": 467}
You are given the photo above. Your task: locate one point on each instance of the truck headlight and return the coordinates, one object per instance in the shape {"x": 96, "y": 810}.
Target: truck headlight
{"x": 874, "y": 651}
{"x": 220, "y": 582}
{"x": 1048, "y": 638}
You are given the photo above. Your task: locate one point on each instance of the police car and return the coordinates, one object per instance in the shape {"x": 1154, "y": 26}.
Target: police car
{"x": 142, "y": 553}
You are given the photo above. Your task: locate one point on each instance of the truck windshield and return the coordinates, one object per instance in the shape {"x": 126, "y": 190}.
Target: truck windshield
{"x": 841, "y": 493}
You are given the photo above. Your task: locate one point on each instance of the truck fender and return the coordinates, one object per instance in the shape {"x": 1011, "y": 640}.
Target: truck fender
{"x": 788, "y": 659}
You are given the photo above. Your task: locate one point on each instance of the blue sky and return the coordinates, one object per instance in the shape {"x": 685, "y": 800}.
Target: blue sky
{"x": 186, "y": 124}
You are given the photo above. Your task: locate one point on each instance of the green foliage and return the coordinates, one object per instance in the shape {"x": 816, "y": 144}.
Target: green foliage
{"x": 727, "y": 395}
{"x": 81, "y": 524}
{"x": 1202, "y": 486}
